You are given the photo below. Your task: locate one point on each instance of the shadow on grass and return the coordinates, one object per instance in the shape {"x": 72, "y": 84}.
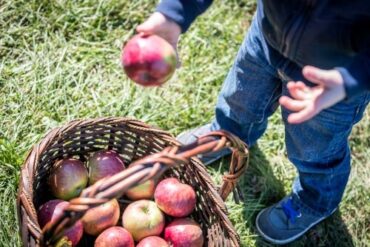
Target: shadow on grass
{"x": 261, "y": 189}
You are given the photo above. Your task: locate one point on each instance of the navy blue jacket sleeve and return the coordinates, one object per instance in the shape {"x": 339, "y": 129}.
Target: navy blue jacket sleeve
{"x": 183, "y": 12}
{"x": 356, "y": 76}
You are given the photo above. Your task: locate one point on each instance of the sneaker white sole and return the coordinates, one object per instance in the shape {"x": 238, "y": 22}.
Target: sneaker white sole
{"x": 291, "y": 239}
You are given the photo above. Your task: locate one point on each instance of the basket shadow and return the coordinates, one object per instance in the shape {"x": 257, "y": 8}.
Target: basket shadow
{"x": 260, "y": 189}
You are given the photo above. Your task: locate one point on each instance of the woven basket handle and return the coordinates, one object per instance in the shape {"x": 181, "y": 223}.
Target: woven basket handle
{"x": 144, "y": 169}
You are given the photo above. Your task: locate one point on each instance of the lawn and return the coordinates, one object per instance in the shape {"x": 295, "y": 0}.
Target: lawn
{"x": 59, "y": 60}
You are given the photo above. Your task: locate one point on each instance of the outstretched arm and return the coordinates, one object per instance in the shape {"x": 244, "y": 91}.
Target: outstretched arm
{"x": 173, "y": 17}
{"x": 183, "y": 12}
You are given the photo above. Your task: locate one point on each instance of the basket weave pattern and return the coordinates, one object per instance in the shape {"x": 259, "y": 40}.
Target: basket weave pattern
{"x": 153, "y": 151}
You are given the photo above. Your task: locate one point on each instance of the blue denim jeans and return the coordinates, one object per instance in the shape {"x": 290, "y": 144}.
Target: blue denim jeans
{"x": 318, "y": 148}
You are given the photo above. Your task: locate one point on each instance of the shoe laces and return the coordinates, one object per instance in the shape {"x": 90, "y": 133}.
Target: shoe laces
{"x": 291, "y": 212}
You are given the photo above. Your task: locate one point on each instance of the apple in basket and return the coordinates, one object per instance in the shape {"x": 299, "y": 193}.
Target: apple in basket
{"x": 153, "y": 241}
{"x": 115, "y": 236}
{"x": 68, "y": 178}
{"x": 101, "y": 217}
{"x": 142, "y": 219}
{"x": 142, "y": 191}
{"x": 174, "y": 198}
{"x": 50, "y": 211}
{"x": 149, "y": 60}
{"x": 184, "y": 232}
{"x": 103, "y": 164}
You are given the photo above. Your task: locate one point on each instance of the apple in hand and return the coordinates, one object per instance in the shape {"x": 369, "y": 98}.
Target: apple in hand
{"x": 174, "y": 198}
{"x": 68, "y": 178}
{"x": 149, "y": 60}
{"x": 153, "y": 241}
{"x": 52, "y": 210}
{"x": 103, "y": 164}
{"x": 115, "y": 236}
{"x": 142, "y": 219}
{"x": 184, "y": 232}
{"x": 101, "y": 217}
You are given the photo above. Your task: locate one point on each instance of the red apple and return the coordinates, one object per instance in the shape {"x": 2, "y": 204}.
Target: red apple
{"x": 50, "y": 211}
{"x": 174, "y": 198}
{"x": 115, "y": 236}
{"x": 153, "y": 241}
{"x": 99, "y": 218}
{"x": 103, "y": 164}
{"x": 184, "y": 232}
{"x": 68, "y": 178}
{"x": 148, "y": 60}
{"x": 142, "y": 219}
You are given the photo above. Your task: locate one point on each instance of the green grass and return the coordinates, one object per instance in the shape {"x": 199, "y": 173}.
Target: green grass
{"x": 60, "y": 61}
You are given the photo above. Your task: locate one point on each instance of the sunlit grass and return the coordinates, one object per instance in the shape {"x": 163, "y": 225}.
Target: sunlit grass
{"x": 59, "y": 60}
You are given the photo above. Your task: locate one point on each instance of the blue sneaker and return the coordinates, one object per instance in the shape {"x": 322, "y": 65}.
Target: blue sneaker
{"x": 191, "y": 136}
{"x": 285, "y": 221}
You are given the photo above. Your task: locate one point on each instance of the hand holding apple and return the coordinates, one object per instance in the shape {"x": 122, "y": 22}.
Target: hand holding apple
{"x": 162, "y": 26}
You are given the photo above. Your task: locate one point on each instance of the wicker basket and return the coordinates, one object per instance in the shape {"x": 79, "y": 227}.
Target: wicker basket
{"x": 155, "y": 152}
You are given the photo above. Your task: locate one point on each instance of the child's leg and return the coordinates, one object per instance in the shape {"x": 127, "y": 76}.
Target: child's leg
{"x": 320, "y": 151}
{"x": 251, "y": 90}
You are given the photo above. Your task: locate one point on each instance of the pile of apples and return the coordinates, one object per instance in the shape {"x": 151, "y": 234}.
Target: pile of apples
{"x": 154, "y": 213}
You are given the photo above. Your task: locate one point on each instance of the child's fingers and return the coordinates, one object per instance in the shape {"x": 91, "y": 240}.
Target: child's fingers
{"x": 303, "y": 115}
{"x": 300, "y": 85}
{"x": 298, "y": 90}
{"x": 316, "y": 75}
{"x": 152, "y": 25}
{"x": 147, "y": 27}
{"x": 291, "y": 104}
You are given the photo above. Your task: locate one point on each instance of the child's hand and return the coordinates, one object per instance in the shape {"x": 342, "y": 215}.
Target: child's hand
{"x": 160, "y": 25}
{"x": 306, "y": 101}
